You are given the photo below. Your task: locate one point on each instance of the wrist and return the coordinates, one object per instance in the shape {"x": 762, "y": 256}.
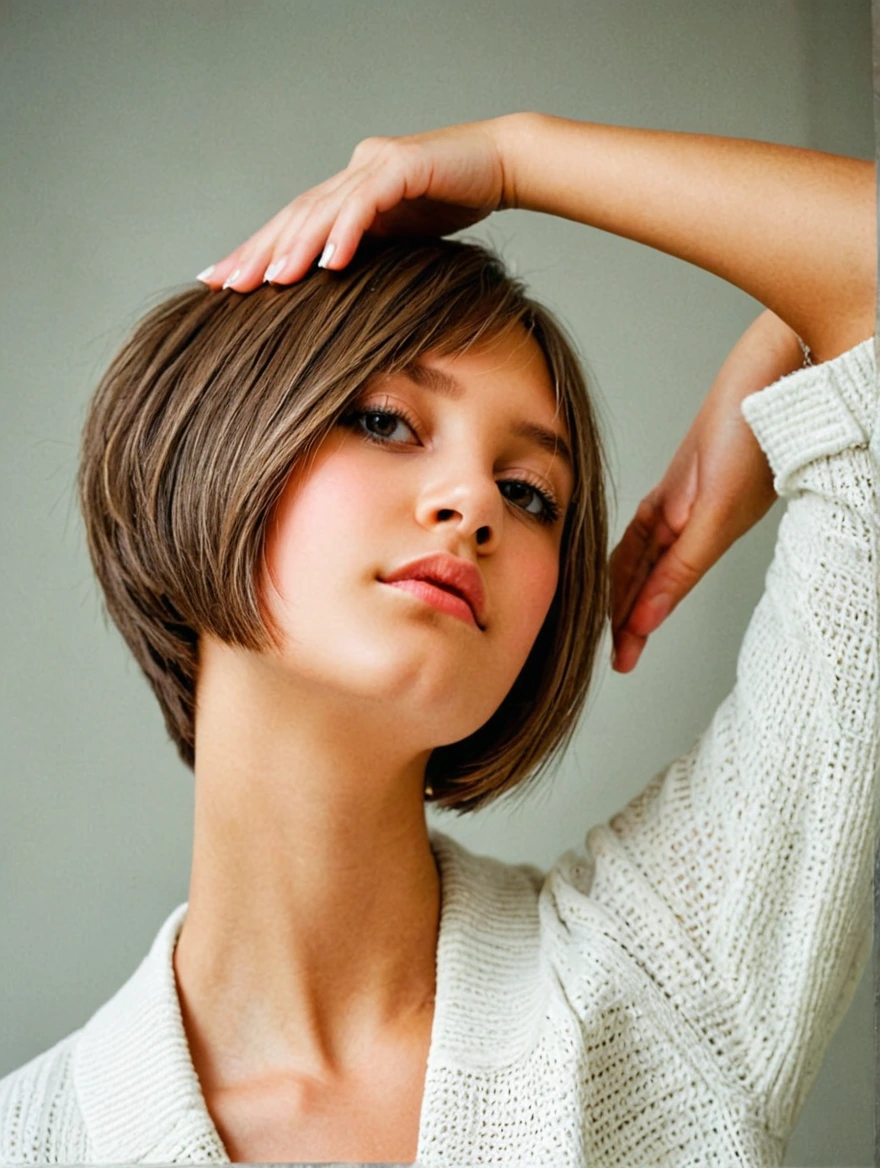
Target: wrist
{"x": 512, "y": 134}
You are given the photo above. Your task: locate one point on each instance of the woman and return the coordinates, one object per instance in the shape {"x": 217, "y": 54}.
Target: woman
{"x": 355, "y": 539}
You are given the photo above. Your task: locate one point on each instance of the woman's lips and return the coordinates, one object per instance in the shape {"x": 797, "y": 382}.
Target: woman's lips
{"x": 439, "y": 597}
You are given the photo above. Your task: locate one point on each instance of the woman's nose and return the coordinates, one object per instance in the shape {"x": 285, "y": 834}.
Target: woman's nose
{"x": 472, "y": 503}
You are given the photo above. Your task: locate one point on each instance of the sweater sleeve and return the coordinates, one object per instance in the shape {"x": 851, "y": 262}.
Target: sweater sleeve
{"x": 739, "y": 879}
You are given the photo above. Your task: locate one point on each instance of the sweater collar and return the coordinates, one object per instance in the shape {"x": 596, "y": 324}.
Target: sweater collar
{"x": 138, "y": 1090}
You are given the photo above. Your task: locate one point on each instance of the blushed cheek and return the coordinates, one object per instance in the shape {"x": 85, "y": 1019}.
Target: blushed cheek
{"x": 315, "y": 527}
{"x": 536, "y": 587}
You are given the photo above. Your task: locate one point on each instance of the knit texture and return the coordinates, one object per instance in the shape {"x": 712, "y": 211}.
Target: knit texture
{"x": 663, "y": 995}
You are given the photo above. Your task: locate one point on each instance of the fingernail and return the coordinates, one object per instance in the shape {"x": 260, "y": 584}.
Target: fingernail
{"x": 231, "y": 278}
{"x": 273, "y": 269}
{"x": 660, "y": 607}
{"x": 326, "y": 255}
{"x": 205, "y": 275}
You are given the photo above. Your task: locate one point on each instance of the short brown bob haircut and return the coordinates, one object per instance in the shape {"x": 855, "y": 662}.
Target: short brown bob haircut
{"x": 194, "y": 429}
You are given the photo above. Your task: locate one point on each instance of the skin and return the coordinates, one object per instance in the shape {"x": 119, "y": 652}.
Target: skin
{"x": 311, "y": 934}
{"x": 796, "y": 229}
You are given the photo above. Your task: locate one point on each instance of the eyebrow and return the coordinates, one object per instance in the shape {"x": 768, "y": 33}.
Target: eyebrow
{"x": 444, "y": 384}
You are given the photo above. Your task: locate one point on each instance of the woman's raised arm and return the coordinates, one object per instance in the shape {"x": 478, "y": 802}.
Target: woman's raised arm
{"x": 796, "y": 229}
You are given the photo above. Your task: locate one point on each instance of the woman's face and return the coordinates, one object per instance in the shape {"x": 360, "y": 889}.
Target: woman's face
{"x": 452, "y": 476}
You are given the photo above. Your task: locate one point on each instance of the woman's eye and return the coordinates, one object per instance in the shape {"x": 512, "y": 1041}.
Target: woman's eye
{"x": 547, "y": 510}
{"x": 380, "y": 426}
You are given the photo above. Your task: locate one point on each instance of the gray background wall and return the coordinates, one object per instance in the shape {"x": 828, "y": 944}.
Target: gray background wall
{"x": 143, "y": 140}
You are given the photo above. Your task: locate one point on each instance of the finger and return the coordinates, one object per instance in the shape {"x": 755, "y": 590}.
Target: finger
{"x": 394, "y": 171}
{"x": 628, "y": 560}
{"x": 644, "y": 541}
{"x": 218, "y": 272}
{"x": 295, "y": 246}
{"x": 678, "y": 570}
{"x": 627, "y": 650}
{"x": 630, "y": 570}
{"x": 274, "y": 256}
{"x": 336, "y": 226}
{"x": 305, "y": 235}
{"x": 245, "y": 267}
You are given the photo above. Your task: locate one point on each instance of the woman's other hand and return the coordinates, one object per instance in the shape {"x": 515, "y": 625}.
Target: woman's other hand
{"x": 434, "y": 183}
{"x": 718, "y": 485}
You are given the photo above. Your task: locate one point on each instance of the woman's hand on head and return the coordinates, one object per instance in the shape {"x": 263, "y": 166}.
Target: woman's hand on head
{"x": 434, "y": 183}
{"x": 718, "y": 485}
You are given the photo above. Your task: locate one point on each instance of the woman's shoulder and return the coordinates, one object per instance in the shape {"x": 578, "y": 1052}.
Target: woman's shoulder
{"x": 40, "y": 1121}
{"x": 55, "y": 1107}
{"x": 459, "y": 865}
{"x": 514, "y": 908}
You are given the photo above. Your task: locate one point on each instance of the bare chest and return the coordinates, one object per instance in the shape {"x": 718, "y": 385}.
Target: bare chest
{"x": 290, "y": 1120}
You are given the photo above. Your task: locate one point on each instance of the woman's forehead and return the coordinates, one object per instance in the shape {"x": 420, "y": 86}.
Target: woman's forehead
{"x": 516, "y": 365}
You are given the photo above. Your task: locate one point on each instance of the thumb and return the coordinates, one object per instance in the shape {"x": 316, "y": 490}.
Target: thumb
{"x": 684, "y": 563}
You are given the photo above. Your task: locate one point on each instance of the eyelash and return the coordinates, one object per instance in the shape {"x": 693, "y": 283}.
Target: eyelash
{"x": 353, "y": 417}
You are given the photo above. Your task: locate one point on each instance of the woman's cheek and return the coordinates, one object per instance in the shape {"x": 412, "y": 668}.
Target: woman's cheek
{"x": 535, "y": 588}
{"x": 313, "y": 521}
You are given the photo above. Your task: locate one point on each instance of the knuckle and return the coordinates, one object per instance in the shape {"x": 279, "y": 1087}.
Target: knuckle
{"x": 645, "y": 515}
{"x": 649, "y": 503}
{"x": 683, "y": 570}
{"x": 366, "y": 148}
{"x": 304, "y": 202}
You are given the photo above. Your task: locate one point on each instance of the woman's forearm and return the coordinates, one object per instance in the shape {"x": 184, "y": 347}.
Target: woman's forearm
{"x": 796, "y": 229}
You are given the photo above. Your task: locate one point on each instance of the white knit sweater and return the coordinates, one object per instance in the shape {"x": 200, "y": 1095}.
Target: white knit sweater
{"x": 665, "y": 996}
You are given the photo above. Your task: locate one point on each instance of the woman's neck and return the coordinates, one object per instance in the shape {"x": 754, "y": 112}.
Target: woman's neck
{"x": 314, "y": 903}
